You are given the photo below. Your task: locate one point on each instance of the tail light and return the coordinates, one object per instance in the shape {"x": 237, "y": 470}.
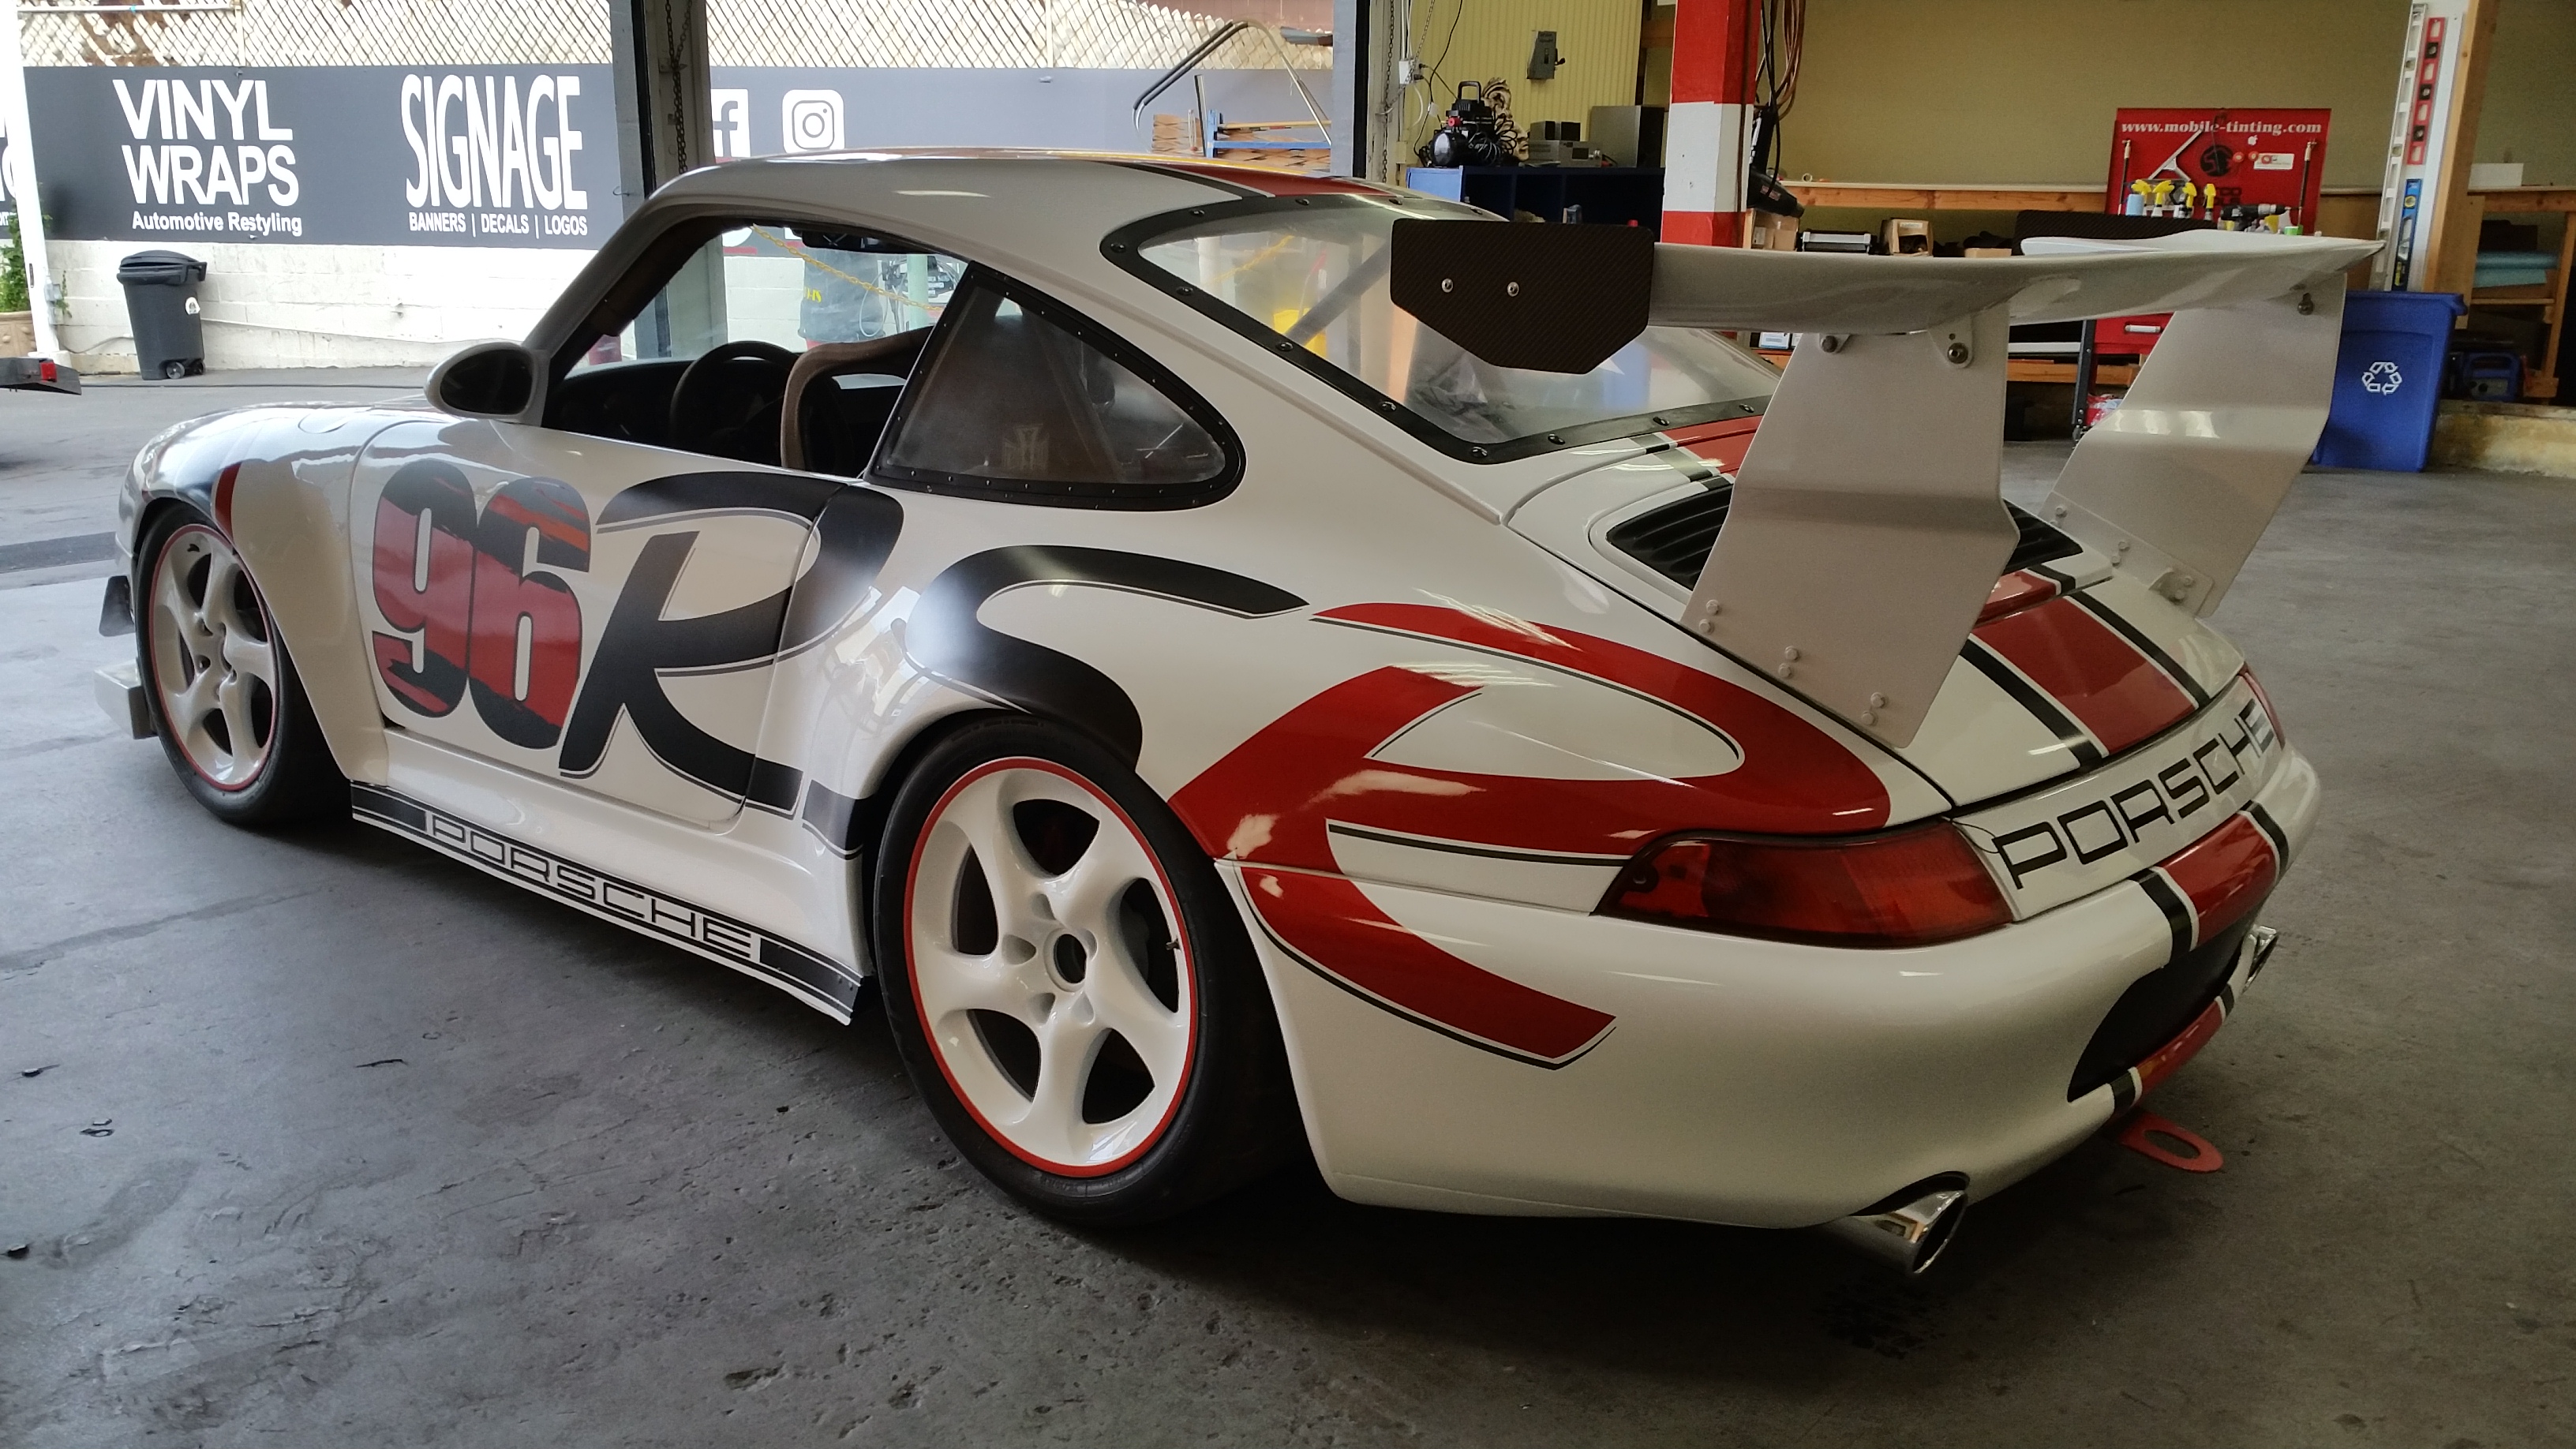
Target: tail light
{"x": 1909, "y": 888}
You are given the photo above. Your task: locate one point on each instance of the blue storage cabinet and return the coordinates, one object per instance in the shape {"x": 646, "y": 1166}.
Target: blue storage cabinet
{"x": 2388, "y": 380}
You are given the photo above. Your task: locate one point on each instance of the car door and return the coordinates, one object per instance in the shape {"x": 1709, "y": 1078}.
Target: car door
{"x": 586, "y": 601}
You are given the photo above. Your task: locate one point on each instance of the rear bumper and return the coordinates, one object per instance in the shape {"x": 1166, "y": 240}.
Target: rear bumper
{"x": 1749, "y": 1082}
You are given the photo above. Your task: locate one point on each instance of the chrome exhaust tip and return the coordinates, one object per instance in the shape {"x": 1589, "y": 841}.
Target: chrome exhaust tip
{"x": 1909, "y": 1230}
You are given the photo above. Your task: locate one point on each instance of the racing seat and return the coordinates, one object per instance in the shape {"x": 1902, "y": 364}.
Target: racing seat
{"x": 829, "y": 426}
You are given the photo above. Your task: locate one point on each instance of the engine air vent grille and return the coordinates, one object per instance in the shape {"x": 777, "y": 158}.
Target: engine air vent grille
{"x": 1675, "y": 540}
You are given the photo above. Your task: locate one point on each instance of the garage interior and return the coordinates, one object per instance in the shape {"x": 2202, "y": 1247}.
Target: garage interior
{"x": 313, "y": 1137}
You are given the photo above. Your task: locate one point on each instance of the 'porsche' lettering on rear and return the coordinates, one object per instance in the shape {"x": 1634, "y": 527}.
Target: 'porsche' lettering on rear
{"x": 2134, "y": 812}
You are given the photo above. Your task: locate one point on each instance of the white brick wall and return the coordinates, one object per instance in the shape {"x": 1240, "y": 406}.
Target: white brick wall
{"x": 319, "y": 306}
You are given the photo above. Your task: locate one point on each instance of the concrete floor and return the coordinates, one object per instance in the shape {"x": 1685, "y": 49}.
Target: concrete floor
{"x": 392, "y": 1153}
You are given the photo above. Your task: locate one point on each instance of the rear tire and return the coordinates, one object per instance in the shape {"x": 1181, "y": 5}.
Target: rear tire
{"x": 1069, "y": 983}
{"x": 230, "y": 713}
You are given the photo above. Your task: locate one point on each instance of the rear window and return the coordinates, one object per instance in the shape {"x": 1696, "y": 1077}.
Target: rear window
{"x": 1315, "y": 277}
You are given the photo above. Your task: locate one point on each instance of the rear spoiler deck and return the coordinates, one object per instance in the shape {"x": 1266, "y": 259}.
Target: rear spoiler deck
{"x": 1868, "y": 523}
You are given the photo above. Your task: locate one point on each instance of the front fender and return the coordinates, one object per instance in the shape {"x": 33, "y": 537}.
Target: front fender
{"x": 275, "y": 480}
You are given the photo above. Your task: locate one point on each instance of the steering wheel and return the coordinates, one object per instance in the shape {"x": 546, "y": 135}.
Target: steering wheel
{"x": 726, "y": 403}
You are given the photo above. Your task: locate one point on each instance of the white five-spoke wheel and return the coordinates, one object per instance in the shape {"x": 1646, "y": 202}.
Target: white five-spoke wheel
{"x": 1068, "y": 980}
{"x": 1047, "y": 969}
{"x": 225, "y": 699}
{"x": 211, "y": 661}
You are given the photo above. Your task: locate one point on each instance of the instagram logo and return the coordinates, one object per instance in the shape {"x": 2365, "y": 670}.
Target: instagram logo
{"x": 811, "y": 120}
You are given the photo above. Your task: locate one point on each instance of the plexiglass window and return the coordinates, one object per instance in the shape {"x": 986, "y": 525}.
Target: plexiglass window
{"x": 1011, "y": 399}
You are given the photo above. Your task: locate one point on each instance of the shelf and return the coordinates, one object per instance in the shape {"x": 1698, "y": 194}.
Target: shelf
{"x": 2525, "y": 200}
{"x": 1894, "y": 196}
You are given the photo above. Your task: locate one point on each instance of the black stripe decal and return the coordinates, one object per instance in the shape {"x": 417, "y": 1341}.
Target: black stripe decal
{"x": 2030, "y": 697}
{"x": 1241, "y": 193}
{"x": 774, "y": 787}
{"x": 386, "y": 805}
{"x": 1426, "y": 1023}
{"x": 648, "y": 912}
{"x": 2144, "y": 645}
{"x": 948, "y": 641}
{"x": 843, "y": 823}
{"x": 2065, "y": 581}
{"x": 2264, "y": 822}
{"x": 1490, "y": 852}
{"x": 2179, "y": 915}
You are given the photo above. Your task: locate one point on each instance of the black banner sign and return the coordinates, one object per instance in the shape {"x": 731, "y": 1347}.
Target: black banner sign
{"x": 474, "y": 156}
{"x": 518, "y": 156}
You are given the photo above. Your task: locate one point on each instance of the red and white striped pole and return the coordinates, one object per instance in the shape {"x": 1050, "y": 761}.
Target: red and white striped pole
{"x": 1708, "y": 134}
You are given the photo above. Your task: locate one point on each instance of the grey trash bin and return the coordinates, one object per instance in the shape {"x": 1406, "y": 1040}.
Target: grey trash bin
{"x": 161, "y": 302}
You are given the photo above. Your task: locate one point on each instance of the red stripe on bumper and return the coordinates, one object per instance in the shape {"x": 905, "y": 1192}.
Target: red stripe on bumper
{"x": 1330, "y": 923}
{"x": 2015, "y": 592}
{"x": 2115, "y": 692}
{"x": 2225, "y": 874}
{"x": 2168, "y": 1059}
{"x": 1721, "y": 445}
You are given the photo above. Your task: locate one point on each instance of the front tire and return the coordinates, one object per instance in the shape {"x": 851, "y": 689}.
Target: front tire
{"x": 1070, "y": 985}
{"x": 225, "y": 700}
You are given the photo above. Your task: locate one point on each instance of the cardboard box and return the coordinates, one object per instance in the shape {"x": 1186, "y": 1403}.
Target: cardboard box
{"x": 1770, "y": 232}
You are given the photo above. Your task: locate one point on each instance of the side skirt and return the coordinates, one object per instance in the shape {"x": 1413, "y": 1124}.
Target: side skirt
{"x": 829, "y": 986}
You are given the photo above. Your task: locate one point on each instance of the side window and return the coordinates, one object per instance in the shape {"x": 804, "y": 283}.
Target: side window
{"x": 776, "y": 283}
{"x": 1011, "y": 402}
{"x": 722, "y": 358}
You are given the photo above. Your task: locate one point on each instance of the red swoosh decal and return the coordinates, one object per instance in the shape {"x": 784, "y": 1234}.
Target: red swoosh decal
{"x": 1267, "y": 803}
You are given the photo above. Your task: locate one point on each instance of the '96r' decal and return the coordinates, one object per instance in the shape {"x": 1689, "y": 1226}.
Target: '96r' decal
{"x": 450, "y": 580}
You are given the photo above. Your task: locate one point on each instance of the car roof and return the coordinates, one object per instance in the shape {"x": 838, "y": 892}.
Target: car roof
{"x": 1032, "y": 201}
{"x": 1040, "y": 215}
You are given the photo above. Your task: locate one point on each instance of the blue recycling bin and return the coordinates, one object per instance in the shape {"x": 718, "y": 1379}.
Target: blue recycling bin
{"x": 2388, "y": 380}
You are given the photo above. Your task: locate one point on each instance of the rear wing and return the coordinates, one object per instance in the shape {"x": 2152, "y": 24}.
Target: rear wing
{"x": 1868, "y": 525}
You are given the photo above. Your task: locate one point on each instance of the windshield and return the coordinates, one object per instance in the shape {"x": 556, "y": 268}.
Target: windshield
{"x": 1316, "y": 277}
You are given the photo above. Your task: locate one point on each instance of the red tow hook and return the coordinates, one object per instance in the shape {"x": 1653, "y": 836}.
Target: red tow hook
{"x": 2148, "y": 1135}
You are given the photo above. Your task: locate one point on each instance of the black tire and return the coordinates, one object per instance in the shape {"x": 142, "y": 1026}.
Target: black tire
{"x": 284, "y": 774}
{"x": 1232, "y": 1115}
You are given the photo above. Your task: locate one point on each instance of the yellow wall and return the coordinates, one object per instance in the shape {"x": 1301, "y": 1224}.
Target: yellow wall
{"x": 2023, "y": 90}
{"x": 1492, "y": 41}
{"x": 2531, "y": 92}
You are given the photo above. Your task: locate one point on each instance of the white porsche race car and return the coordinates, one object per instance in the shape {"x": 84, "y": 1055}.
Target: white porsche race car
{"x": 1241, "y": 661}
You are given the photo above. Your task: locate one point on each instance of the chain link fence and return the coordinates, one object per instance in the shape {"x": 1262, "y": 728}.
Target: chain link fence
{"x": 978, "y": 34}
